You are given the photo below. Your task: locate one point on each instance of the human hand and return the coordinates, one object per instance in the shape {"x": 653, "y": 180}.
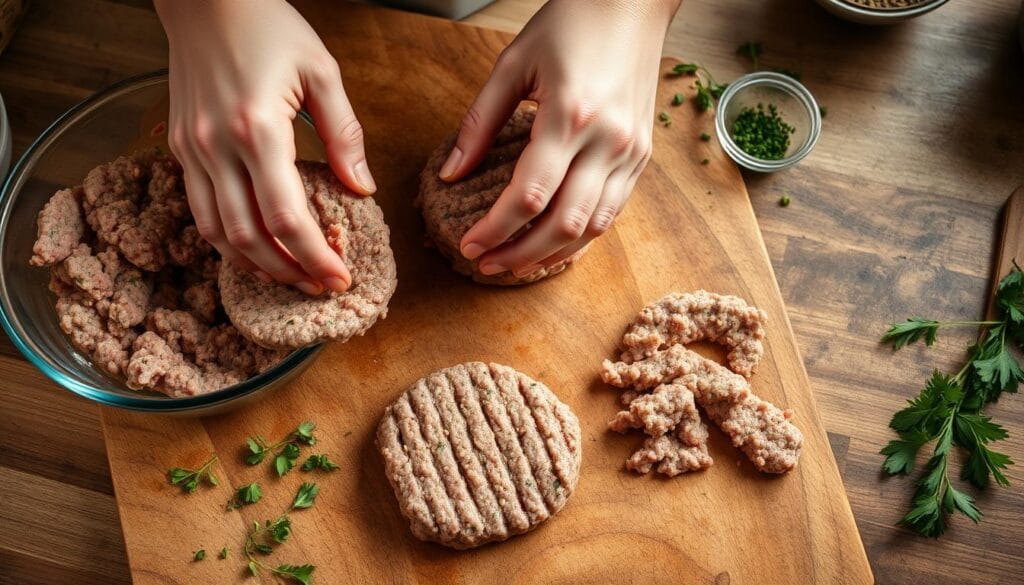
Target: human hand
{"x": 592, "y": 67}
{"x": 234, "y": 96}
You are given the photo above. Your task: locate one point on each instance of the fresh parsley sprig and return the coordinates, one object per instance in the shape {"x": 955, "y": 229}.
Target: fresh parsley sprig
{"x": 245, "y": 495}
{"x": 708, "y": 90}
{"x": 190, "y": 479}
{"x": 319, "y": 462}
{"x": 949, "y": 411}
{"x": 264, "y": 537}
{"x": 287, "y": 449}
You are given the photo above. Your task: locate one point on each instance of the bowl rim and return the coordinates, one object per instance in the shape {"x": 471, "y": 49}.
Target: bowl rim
{"x": 779, "y": 81}
{"x": 142, "y": 403}
{"x": 900, "y": 13}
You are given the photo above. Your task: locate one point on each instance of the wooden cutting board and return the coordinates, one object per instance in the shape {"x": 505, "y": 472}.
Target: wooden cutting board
{"x": 688, "y": 226}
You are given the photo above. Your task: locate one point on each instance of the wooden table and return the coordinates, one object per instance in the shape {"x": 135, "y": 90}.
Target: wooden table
{"x": 895, "y": 213}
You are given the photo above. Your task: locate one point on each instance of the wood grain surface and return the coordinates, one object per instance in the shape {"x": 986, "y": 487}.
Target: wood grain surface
{"x": 895, "y": 213}
{"x": 617, "y": 527}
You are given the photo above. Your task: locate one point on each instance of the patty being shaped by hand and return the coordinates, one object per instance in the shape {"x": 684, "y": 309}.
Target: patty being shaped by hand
{"x": 278, "y": 316}
{"x": 479, "y": 452}
{"x": 450, "y": 209}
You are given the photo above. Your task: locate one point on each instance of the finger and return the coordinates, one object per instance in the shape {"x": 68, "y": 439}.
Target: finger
{"x": 537, "y": 175}
{"x": 485, "y": 118}
{"x": 245, "y": 231}
{"x": 282, "y": 203}
{"x": 613, "y": 198}
{"x": 201, "y": 200}
{"x": 563, "y": 224}
{"x": 338, "y": 127}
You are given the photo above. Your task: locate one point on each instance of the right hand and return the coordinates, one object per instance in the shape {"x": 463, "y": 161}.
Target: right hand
{"x": 239, "y": 73}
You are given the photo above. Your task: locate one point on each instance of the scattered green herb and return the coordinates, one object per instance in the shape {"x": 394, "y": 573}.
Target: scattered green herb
{"x": 685, "y": 69}
{"x": 189, "y": 479}
{"x": 705, "y": 136}
{"x": 949, "y": 411}
{"x": 223, "y": 554}
{"x": 665, "y": 118}
{"x": 245, "y": 495}
{"x": 285, "y": 458}
{"x": 199, "y": 555}
{"x": 705, "y": 161}
{"x": 306, "y": 495}
{"x": 752, "y": 51}
{"x": 263, "y": 538}
{"x": 319, "y": 462}
{"x": 762, "y": 134}
{"x": 784, "y": 201}
{"x": 823, "y": 110}
{"x": 678, "y": 99}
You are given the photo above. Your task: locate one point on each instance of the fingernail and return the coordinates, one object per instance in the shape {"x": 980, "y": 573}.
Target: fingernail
{"x": 309, "y": 288}
{"x": 336, "y": 283}
{"x": 489, "y": 269}
{"x": 263, "y": 276}
{"x": 452, "y": 164}
{"x": 472, "y": 250}
{"x": 527, "y": 270}
{"x": 364, "y": 178}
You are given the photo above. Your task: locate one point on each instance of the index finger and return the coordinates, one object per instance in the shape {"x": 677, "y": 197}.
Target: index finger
{"x": 283, "y": 206}
{"x": 538, "y": 173}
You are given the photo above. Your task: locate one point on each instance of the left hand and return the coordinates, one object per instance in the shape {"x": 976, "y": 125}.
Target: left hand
{"x": 592, "y": 66}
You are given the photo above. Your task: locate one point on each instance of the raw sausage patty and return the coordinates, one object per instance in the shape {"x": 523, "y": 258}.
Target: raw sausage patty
{"x": 278, "y": 316}
{"x": 479, "y": 452}
{"x": 450, "y": 209}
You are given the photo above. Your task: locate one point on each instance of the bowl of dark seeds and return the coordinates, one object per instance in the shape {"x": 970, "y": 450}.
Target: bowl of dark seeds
{"x": 879, "y": 11}
{"x": 767, "y": 121}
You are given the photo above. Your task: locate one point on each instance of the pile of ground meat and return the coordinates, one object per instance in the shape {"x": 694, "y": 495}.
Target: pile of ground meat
{"x": 136, "y": 285}
{"x": 664, "y": 382}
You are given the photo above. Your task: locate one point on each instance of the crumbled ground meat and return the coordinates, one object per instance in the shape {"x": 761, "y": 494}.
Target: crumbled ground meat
{"x": 60, "y": 227}
{"x": 682, "y": 318}
{"x": 758, "y": 428}
{"x": 677, "y": 439}
{"x": 121, "y": 299}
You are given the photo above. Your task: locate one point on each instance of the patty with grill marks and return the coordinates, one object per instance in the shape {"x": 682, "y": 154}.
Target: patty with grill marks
{"x": 450, "y": 209}
{"x": 479, "y": 452}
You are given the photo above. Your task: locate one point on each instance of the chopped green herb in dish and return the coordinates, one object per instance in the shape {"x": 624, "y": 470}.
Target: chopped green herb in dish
{"x": 762, "y": 133}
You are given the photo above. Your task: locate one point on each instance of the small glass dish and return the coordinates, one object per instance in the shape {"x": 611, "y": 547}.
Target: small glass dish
{"x": 121, "y": 119}
{"x": 795, "y": 105}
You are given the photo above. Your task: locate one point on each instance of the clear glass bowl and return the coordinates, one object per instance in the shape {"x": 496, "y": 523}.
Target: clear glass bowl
{"x": 118, "y": 120}
{"x": 795, "y": 104}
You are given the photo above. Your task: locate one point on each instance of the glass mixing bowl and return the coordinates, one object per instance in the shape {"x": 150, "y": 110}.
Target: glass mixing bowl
{"x": 119, "y": 120}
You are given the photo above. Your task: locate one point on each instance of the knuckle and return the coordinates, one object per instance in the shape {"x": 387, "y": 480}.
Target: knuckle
{"x": 209, "y": 230}
{"x": 324, "y": 68}
{"x": 471, "y": 121}
{"x": 284, "y": 223}
{"x": 177, "y": 141}
{"x": 533, "y": 200}
{"x": 571, "y": 226}
{"x": 602, "y": 221}
{"x": 240, "y": 236}
{"x": 622, "y": 140}
{"x": 203, "y": 135}
{"x": 249, "y": 123}
{"x": 351, "y": 132}
{"x": 581, "y": 115}
{"x": 508, "y": 59}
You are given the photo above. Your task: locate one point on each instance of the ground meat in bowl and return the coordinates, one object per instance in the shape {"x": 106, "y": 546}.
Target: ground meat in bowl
{"x": 136, "y": 287}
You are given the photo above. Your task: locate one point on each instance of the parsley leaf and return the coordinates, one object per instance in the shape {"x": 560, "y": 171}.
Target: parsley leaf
{"x": 245, "y": 495}
{"x": 900, "y": 453}
{"x": 902, "y": 334}
{"x": 319, "y": 462}
{"x": 190, "y": 479}
{"x": 199, "y": 555}
{"x": 306, "y": 495}
{"x": 685, "y": 69}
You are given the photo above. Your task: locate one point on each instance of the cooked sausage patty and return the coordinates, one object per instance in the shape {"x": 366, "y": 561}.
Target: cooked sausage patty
{"x": 450, "y": 209}
{"x": 278, "y": 316}
{"x": 479, "y": 452}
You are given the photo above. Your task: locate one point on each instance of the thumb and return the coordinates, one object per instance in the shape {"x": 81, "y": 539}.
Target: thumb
{"x": 485, "y": 118}
{"x": 338, "y": 127}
